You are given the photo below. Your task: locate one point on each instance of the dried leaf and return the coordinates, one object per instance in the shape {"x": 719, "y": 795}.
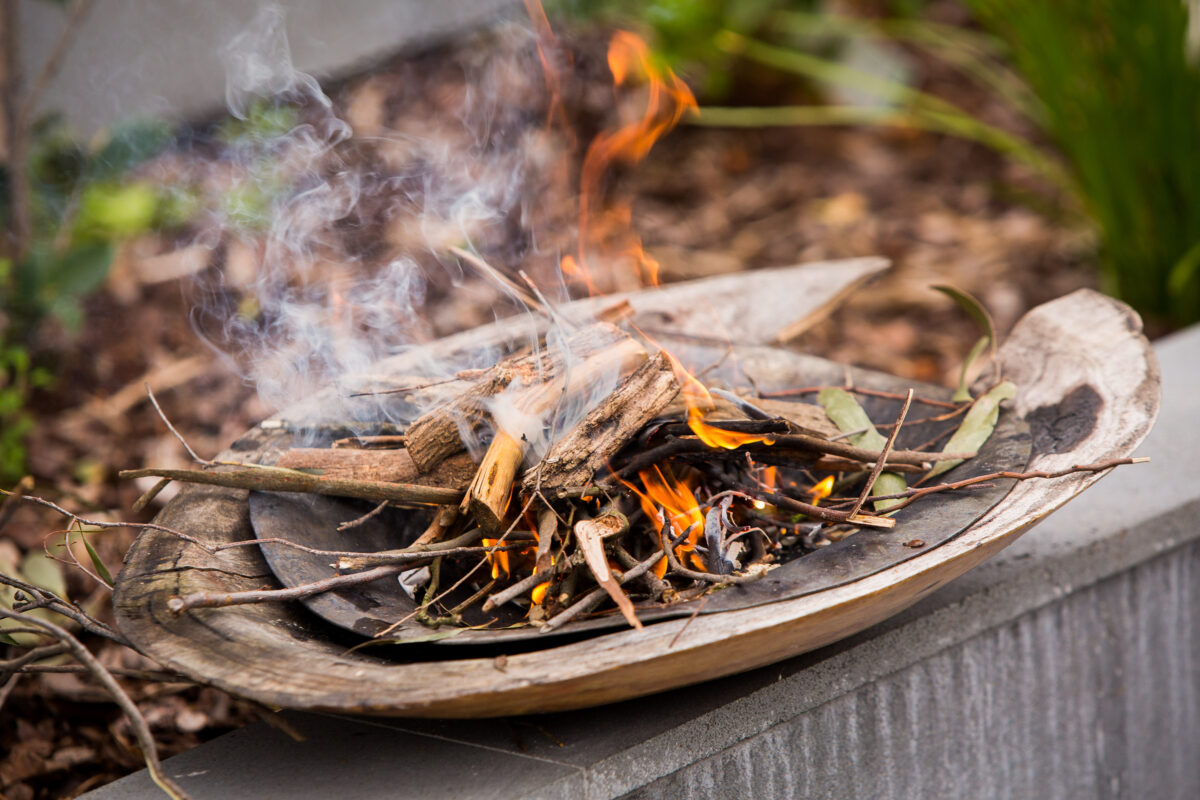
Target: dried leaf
{"x": 976, "y": 426}
{"x": 849, "y": 416}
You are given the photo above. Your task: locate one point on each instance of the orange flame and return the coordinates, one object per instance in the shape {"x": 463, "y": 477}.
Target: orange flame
{"x": 538, "y": 595}
{"x": 668, "y": 99}
{"x": 821, "y": 490}
{"x": 769, "y": 480}
{"x": 682, "y": 509}
{"x": 498, "y": 559}
{"x": 699, "y": 402}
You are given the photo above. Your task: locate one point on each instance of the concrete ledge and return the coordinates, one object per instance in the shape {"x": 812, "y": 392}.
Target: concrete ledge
{"x": 1065, "y": 667}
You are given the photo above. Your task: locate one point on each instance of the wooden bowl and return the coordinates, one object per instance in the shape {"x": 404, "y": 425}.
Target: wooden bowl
{"x": 1088, "y": 390}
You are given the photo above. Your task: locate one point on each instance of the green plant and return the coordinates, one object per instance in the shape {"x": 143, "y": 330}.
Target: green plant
{"x": 1109, "y": 83}
{"x": 1121, "y": 101}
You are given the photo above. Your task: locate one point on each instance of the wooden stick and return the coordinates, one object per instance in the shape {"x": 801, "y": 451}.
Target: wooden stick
{"x": 594, "y": 597}
{"x": 177, "y": 604}
{"x": 274, "y": 479}
{"x": 589, "y": 534}
{"x": 878, "y": 468}
{"x": 387, "y": 466}
{"x": 435, "y": 435}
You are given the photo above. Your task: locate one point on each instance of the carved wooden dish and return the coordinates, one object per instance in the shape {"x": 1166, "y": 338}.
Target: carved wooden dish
{"x": 1088, "y": 391}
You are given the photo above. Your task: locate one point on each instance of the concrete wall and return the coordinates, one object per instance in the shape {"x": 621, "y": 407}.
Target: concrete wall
{"x": 136, "y": 57}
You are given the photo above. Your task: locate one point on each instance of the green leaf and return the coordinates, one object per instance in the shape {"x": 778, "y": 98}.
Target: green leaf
{"x": 962, "y": 394}
{"x": 101, "y": 570}
{"x": 975, "y": 309}
{"x": 976, "y": 426}
{"x": 849, "y": 416}
{"x": 6, "y": 639}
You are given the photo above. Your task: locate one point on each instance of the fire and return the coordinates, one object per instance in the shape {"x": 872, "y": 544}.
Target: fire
{"x": 498, "y": 559}
{"x": 699, "y": 402}
{"x": 821, "y": 490}
{"x": 538, "y": 595}
{"x": 769, "y": 480}
{"x": 662, "y": 489}
{"x": 668, "y": 99}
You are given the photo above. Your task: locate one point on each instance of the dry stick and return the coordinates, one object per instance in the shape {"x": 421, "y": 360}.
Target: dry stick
{"x": 357, "y": 521}
{"x": 98, "y": 671}
{"x": 656, "y": 586}
{"x": 461, "y": 580}
{"x": 820, "y": 512}
{"x": 547, "y": 528}
{"x": 177, "y": 604}
{"x": 151, "y": 493}
{"x": 883, "y": 454}
{"x": 44, "y": 598}
{"x": 12, "y": 501}
{"x": 594, "y": 597}
{"x": 273, "y": 479}
{"x": 858, "y": 390}
{"x": 410, "y": 556}
{"x": 121, "y": 672}
{"x": 499, "y": 277}
{"x": 12, "y": 666}
{"x": 694, "y": 614}
{"x": 911, "y": 495}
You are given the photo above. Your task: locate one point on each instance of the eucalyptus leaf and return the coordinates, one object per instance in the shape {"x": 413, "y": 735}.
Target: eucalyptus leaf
{"x": 962, "y": 394}
{"x": 976, "y": 426}
{"x": 975, "y": 309}
{"x": 101, "y": 570}
{"x": 849, "y": 416}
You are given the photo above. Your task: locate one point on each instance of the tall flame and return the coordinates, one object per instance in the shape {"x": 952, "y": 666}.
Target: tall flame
{"x": 668, "y": 99}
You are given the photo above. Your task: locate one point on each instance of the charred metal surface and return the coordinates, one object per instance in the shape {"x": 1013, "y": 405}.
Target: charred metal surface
{"x": 1058, "y": 428}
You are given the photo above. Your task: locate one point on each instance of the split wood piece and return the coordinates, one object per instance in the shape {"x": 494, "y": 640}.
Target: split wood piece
{"x": 587, "y": 447}
{"x": 487, "y": 497}
{"x": 274, "y": 479}
{"x": 387, "y": 466}
{"x": 435, "y": 435}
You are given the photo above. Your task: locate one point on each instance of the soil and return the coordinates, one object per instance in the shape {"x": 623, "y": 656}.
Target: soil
{"x": 453, "y": 144}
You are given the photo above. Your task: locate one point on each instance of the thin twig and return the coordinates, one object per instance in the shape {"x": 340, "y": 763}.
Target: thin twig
{"x": 913, "y": 494}
{"x": 354, "y": 523}
{"x": 499, "y": 277}
{"x": 859, "y": 390}
{"x": 175, "y": 433}
{"x": 596, "y": 596}
{"x": 44, "y": 598}
{"x": 100, "y": 673}
{"x": 177, "y": 604}
{"x": 883, "y": 455}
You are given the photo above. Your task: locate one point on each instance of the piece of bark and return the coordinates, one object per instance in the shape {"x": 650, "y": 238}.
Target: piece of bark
{"x": 586, "y": 448}
{"x": 435, "y": 435}
{"x": 388, "y": 466}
